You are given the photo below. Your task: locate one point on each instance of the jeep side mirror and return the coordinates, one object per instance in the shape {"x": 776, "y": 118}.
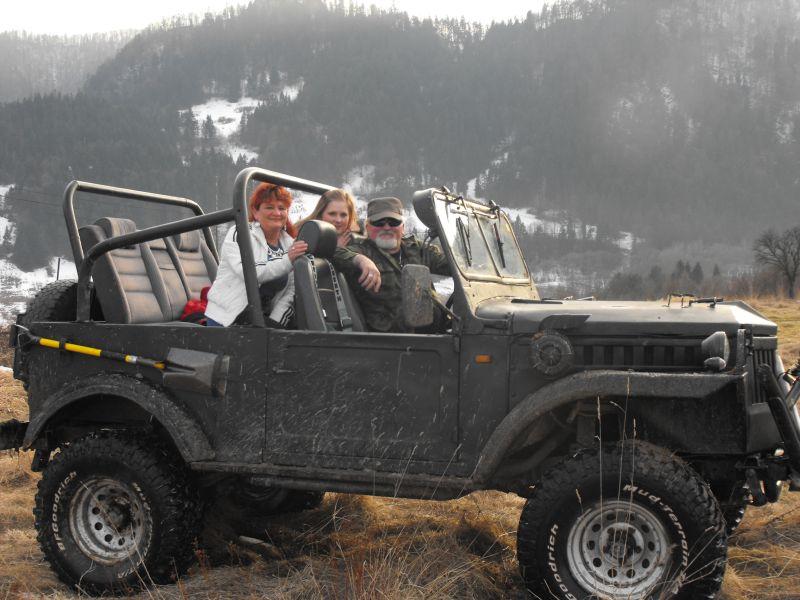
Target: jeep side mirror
{"x": 416, "y": 284}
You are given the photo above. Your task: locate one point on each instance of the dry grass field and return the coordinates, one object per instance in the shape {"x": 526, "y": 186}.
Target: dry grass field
{"x": 364, "y": 548}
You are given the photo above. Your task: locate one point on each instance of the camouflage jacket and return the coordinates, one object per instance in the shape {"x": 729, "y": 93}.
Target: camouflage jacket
{"x": 383, "y": 311}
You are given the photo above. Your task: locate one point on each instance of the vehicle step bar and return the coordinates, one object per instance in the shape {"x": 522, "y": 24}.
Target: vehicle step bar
{"x": 438, "y": 487}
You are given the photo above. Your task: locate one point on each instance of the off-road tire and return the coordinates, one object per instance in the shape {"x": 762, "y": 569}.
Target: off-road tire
{"x": 56, "y": 301}
{"x": 733, "y": 502}
{"x": 149, "y": 493}
{"x": 676, "y": 520}
{"x": 299, "y": 500}
{"x": 261, "y": 501}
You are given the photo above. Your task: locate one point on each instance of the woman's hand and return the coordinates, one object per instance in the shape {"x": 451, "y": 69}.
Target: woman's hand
{"x": 298, "y": 248}
{"x": 344, "y": 239}
{"x": 370, "y": 278}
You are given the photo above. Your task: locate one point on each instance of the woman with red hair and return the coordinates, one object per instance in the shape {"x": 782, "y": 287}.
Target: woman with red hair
{"x": 274, "y": 250}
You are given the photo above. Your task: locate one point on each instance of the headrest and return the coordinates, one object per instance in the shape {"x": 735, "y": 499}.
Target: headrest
{"x": 114, "y": 227}
{"x": 321, "y": 238}
{"x": 187, "y": 242}
{"x": 158, "y": 244}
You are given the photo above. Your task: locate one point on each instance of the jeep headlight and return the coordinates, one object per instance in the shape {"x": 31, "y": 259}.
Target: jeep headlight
{"x": 716, "y": 351}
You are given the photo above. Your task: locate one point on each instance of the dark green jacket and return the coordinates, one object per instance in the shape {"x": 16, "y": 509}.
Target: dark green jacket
{"x": 383, "y": 311}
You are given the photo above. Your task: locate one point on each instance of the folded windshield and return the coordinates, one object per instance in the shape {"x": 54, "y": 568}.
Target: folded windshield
{"x": 481, "y": 240}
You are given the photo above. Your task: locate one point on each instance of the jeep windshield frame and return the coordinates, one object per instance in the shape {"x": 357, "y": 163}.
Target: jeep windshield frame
{"x": 485, "y": 259}
{"x": 481, "y": 240}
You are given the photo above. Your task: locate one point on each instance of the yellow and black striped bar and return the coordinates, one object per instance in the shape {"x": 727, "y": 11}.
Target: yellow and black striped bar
{"x": 97, "y": 352}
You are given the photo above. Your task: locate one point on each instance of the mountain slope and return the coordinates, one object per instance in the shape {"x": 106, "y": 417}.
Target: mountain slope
{"x": 677, "y": 121}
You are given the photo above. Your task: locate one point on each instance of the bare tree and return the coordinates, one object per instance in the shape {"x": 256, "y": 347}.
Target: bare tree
{"x": 780, "y": 252}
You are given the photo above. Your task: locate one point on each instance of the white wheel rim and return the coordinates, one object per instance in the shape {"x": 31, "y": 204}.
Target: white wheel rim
{"x": 620, "y": 551}
{"x": 108, "y": 520}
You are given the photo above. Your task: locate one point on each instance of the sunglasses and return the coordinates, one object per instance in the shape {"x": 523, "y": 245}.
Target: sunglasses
{"x": 386, "y": 221}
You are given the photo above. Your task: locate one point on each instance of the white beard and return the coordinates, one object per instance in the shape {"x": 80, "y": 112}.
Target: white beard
{"x": 386, "y": 243}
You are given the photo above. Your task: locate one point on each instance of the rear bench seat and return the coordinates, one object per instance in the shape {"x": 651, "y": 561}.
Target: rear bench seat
{"x": 198, "y": 265}
{"x": 147, "y": 283}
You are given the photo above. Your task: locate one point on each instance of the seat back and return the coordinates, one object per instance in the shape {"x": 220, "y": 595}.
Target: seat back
{"x": 196, "y": 264}
{"x": 176, "y": 292}
{"x": 316, "y": 283}
{"x": 127, "y": 281}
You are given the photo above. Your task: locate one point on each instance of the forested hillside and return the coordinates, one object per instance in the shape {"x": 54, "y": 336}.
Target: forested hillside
{"x": 674, "y": 121}
{"x": 41, "y": 64}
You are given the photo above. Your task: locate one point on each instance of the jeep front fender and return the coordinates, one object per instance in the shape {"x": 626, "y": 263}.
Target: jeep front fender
{"x": 190, "y": 440}
{"x": 591, "y": 384}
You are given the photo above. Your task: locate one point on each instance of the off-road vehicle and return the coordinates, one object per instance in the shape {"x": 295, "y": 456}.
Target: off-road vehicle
{"x": 637, "y": 431}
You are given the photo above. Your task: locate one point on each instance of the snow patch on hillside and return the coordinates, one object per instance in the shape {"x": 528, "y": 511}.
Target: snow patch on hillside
{"x": 4, "y": 189}
{"x": 785, "y": 124}
{"x": 7, "y": 226}
{"x": 360, "y": 181}
{"x": 226, "y": 116}
{"x": 224, "y": 113}
{"x": 17, "y": 286}
{"x": 291, "y": 92}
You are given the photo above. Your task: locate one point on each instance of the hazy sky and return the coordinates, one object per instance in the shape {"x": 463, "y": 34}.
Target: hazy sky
{"x": 87, "y": 16}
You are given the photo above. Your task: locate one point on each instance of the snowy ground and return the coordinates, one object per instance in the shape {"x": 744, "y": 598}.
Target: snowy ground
{"x": 227, "y": 115}
{"x": 5, "y": 223}
{"x": 17, "y": 287}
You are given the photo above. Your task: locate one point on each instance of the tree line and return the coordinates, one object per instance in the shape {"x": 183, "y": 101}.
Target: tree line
{"x": 674, "y": 121}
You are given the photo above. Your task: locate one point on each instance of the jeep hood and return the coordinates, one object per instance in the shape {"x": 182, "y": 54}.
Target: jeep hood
{"x": 617, "y": 318}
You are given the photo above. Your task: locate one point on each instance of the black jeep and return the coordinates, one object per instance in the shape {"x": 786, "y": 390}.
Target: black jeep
{"x": 637, "y": 431}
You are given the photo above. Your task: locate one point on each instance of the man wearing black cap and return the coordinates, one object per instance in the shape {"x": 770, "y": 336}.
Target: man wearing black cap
{"x": 390, "y": 250}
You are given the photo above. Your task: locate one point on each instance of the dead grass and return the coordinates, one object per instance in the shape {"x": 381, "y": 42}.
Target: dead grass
{"x": 364, "y": 548}
{"x": 786, "y": 313}
{"x": 6, "y": 353}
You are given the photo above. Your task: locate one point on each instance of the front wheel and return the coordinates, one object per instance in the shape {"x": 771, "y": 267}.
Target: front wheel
{"x": 631, "y": 522}
{"x": 116, "y": 512}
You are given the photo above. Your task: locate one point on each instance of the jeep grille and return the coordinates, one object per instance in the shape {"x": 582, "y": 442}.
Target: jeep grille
{"x": 761, "y": 356}
{"x": 638, "y": 355}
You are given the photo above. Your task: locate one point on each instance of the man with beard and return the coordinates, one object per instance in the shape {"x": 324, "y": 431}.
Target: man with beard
{"x": 390, "y": 250}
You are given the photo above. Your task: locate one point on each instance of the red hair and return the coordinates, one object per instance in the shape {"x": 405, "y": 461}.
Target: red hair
{"x": 268, "y": 192}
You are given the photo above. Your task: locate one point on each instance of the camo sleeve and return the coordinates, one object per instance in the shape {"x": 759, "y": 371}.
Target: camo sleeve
{"x": 435, "y": 260}
{"x": 344, "y": 260}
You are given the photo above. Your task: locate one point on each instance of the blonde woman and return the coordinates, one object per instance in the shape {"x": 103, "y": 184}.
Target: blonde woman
{"x": 337, "y": 208}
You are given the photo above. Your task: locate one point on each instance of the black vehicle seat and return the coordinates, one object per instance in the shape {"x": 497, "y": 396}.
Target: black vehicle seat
{"x": 176, "y": 293}
{"x": 314, "y": 284}
{"x": 127, "y": 281}
{"x": 196, "y": 265}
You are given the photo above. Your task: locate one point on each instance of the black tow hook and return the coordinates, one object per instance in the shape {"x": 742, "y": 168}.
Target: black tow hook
{"x": 783, "y": 415}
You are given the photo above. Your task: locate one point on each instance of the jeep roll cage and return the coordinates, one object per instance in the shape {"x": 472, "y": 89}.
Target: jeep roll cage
{"x": 238, "y": 213}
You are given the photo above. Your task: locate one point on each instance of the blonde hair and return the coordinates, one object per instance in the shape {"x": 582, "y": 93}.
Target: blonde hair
{"x": 334, "y": 195}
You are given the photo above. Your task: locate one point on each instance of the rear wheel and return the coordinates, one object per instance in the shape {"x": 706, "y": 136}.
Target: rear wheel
{"x": 631, "y": 522}
{"x": 116, "y": 512}
{"x": 267, "y": 500}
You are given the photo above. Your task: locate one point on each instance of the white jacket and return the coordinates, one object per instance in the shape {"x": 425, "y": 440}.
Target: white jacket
{"x": 228, "y": 297}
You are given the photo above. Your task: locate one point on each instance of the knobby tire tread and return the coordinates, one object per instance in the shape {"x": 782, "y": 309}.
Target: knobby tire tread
{"x": 650, "y": 461}
{"x": 181, "y": 510}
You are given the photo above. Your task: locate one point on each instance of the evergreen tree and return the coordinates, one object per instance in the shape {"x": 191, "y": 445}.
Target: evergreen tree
{"x": 697, "y": 274}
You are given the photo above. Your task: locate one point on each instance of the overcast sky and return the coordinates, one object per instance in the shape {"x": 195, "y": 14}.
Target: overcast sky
{"x": 88, "y": 16}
